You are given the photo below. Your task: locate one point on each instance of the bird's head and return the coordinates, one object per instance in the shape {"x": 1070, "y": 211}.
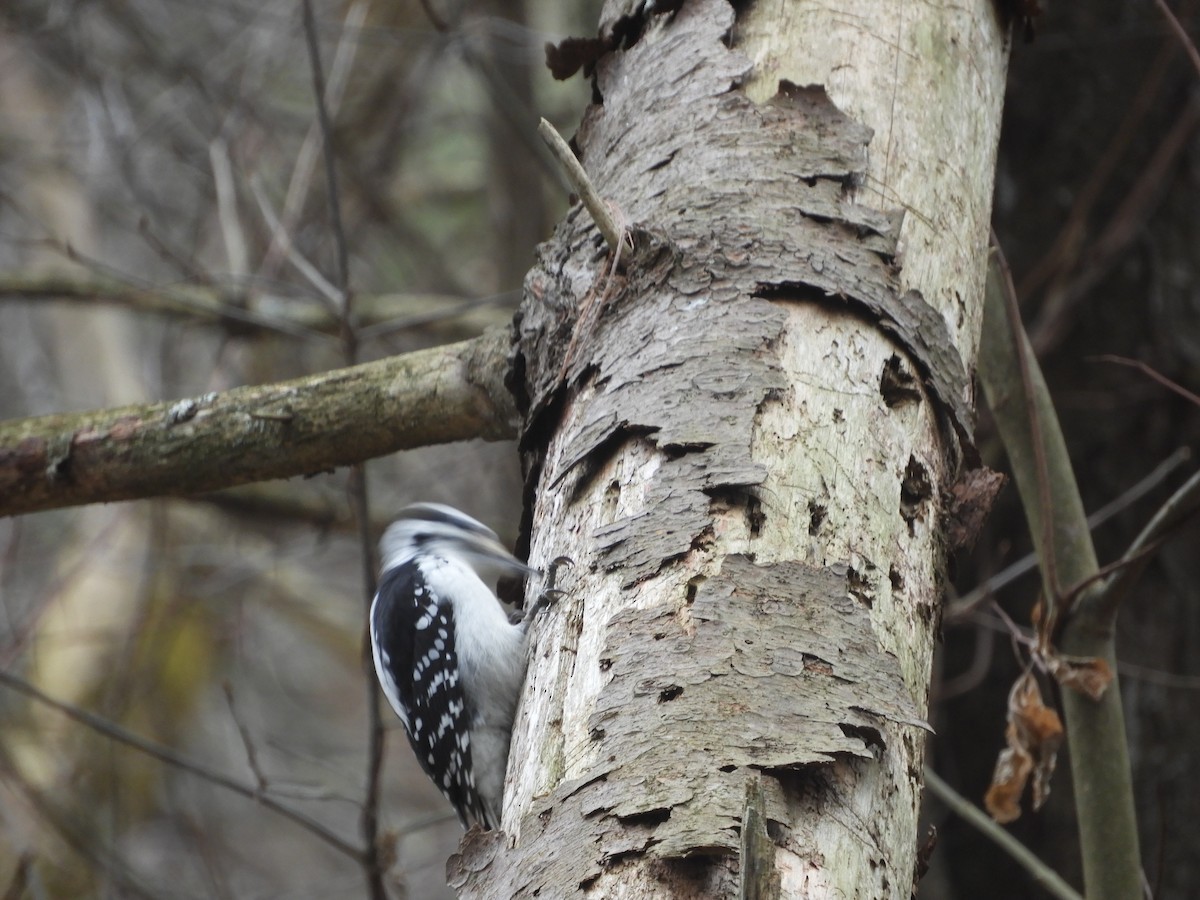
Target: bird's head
{"x": 439, "y": 530}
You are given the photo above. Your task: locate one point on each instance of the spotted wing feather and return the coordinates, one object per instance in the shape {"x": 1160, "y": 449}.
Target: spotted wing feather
{"x": 417, "y": 666}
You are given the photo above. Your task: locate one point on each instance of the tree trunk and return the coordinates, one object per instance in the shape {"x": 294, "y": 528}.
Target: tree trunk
{"x": 744, "y": 434}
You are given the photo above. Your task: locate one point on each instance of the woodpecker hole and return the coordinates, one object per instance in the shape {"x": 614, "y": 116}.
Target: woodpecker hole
{"x": 666, "y": 695}
{"x": 860, "y": 587}
{"x": 897, "y": 384}
{"x": 755, "y": 517}
{"x": 816, "y": 515}
{"x": 896, "y": 578}
{"x": 915, "y": 489}
{"x": 872, "y": 737}
{"x": 649, "y": 818}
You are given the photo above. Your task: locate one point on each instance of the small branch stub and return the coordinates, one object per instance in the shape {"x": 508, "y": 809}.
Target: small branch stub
{"x": 582, "y": 186}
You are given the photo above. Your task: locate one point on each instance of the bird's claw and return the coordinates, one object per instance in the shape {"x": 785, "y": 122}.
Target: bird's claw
{"x": 549, "y": 593}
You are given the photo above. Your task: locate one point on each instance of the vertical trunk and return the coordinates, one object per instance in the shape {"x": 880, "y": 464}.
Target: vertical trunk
{"x": 743, "y": 437}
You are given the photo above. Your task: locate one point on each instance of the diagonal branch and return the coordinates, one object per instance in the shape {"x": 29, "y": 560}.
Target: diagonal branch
{"x": 1100, "y": 767}
{"x": 1049, "y": 880}
{"x": 168, "y": 756}
{"x": 254, "y": 433}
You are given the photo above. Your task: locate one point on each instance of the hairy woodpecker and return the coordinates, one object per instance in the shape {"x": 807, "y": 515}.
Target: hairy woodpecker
{"x": 450, "y": 661}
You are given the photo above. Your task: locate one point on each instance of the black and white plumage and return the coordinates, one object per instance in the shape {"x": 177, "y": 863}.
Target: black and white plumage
{"x": 450, "y": 662}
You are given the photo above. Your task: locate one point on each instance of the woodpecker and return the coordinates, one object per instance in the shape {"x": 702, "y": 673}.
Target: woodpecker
{"x": 449, "y": 659}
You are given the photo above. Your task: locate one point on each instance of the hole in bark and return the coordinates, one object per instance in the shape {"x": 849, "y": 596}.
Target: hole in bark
{"x": 728, "y": 769}
{"x": 666, "y": 695}
{"x": 872, "y": 737}
{"x": 860, "y": 587}
{"x": 915, "y": 489}
{"x": 816, "y": 665}
{"x": 816, "y": 515}
{"x": 896, "y": 578}
{"x": 649, "y": 818}
{"x": 693, "y": 586}
{"x": 897, "y": 384}
{"x": 755, "y": 517}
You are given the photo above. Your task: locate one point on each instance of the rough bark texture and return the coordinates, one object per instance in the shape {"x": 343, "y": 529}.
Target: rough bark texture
{"x": 742, "y": 435}
{"x": 253, "y": 433}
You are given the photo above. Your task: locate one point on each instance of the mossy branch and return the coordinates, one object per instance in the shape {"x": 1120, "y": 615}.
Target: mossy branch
{"x": 247, "y": 434}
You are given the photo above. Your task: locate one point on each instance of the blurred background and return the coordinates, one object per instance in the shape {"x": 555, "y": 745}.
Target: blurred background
{"x": 165, "y": 231}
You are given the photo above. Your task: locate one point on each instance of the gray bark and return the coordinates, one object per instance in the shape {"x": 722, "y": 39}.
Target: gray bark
{"x": 744, "y": 435}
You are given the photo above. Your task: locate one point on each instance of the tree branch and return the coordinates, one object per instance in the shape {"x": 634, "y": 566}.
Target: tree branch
{"x": 253, "y": 433}
{"x": 1050, "y": 880}
{"x": 1100, "y": 767}
{"x": 166, "y": 755}
{"x": 262, "y": 313}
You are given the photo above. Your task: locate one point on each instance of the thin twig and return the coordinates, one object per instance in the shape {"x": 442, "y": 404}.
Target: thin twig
{"x": 115, "y": 732}
{"x": 298, "y": 185}
{"x": 335, "y": 206}
{"x": 1015, "y": 633}
{"x": 1064, "y": 252}
{"x": 71, "y": 831}
{"x": 324, "y": 288}
{"x": 375, "y": 730}
{"x": 1124, "y": 226}
{"x": 1182, "y": 504}
{"x": 227, "y": 209}
{"x": 1142, "y": 555}
{"x": 247, "y": 741}
{"x": 1170, "y": 680}
{"x": 145, "y": 294}
{"x": 1006, "y": 576}
{"x": 1149, "y": 372}
{"x": 1050, "y": 880}
{"x": 369, "y": 820}
{"x": 1181, "y": 33}
{"x": 391, "y": 326}
{"x": 582, "y": 186}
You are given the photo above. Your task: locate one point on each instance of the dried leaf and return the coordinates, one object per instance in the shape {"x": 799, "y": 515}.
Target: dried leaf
{"x": 1090, "y": 675}
{"x": 1003, "y": 797}
{"x": 971, "y": 497}
{"x": 1034, "y": 734}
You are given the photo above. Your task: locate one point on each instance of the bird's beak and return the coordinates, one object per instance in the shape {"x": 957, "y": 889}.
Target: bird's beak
{"x": 491, "y": 555}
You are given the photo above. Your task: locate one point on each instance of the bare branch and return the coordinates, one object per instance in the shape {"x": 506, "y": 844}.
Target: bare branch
{"x": 1100, "y": 767}
{"x": 1181, "y": 33}
{"x": 264, "y": 312}
{"x": 1006, "y": 576}
{"x": 252, "y": 433}
{"x": 1152, "y": 373}
{"x": 168, "y": 756}
{"x": 1050, "y": 880}
{"x": 1181, "y": 506}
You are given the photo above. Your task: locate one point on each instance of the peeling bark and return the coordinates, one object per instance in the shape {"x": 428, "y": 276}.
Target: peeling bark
{"x": 745, "y": 435}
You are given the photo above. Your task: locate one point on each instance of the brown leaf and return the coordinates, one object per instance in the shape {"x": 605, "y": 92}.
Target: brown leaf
{"x": 1034, "y": 734}
{"x": 1003, "y": 797}
{"x": 1091, "y": 675}
{"x": 971, "y": 500}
